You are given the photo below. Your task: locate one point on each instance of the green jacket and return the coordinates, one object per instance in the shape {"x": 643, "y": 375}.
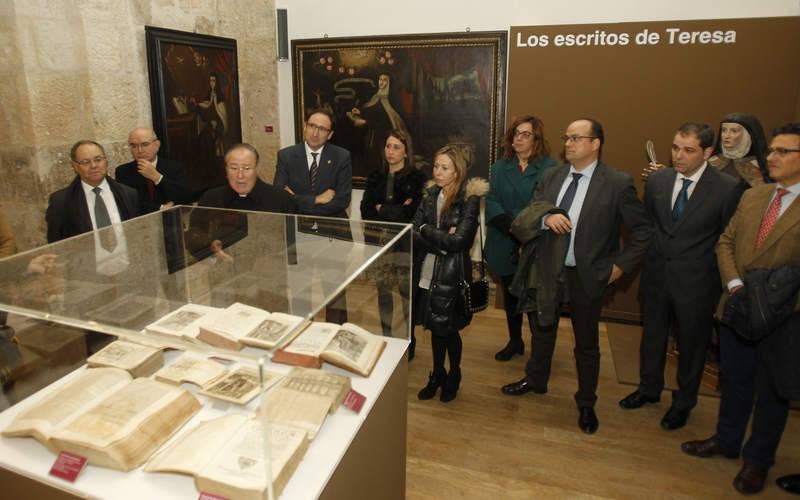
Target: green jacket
{"x": 509, "y": 192}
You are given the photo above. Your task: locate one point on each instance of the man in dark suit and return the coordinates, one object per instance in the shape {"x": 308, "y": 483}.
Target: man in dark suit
{"x": 157, "y": 181}
{"x": 592, "y": 200}
{"x": 690, "y": 205}
{"x": 92, "y": 200}
{"x": 318, "y": 174}
{"x": 759, "y": 376}
{"x": 320, "y": 177}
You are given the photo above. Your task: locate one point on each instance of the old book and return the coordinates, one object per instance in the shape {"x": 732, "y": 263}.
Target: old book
{"x": 129, "y": 311}
{"x": 303, "y": 410}
{"x": 108, "y": 418}
{"x": 240, "y": 386}
{"x": 318, "y": 382}
{"x": 193, "y": 369}
{"x": 227, "y": 456}
{"x": 347, "y": 346}
{"x": 183, "y": 322}
{"x": 277, "y": 329}
{"x": 239, "y": 325}
{"x": 138, "y": 360}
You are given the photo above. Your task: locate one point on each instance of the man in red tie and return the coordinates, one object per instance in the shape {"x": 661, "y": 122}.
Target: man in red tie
{"x": 764, "y": 233}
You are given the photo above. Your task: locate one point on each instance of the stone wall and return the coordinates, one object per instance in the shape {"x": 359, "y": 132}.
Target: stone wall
{"x": 77, "y": 69}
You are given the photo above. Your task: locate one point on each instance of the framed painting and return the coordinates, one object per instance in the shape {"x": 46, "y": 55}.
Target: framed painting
{"x": 440, "y": 88}
{"x": 194, "y": 92}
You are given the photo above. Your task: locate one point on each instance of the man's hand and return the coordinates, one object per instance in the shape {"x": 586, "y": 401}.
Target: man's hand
{"x": 558, "y": 223}
{"x": 452, "y": 230}
{"x": 735, "y": 289}
{"x": 216, "y": 249}
{"x": 147, "y": 170}
{"x": 652, "y": 167}
{"x": 288, "y": 190}
{"x": 42, "y": 264}
{"x": 408, "y": 202}
{"x": 616, "y": 273}
{"x": 324, "y": 197}
{"x": 378, "y": 207}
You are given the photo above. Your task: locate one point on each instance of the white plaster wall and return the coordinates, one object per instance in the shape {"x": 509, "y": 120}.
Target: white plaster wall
{"x": 315, "y": 19}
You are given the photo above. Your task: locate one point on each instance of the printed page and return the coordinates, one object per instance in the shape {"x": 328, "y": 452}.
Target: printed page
{"x": 313, "y": 340}
{"x": 124, "y": 355}
{"x": 192, "y": 369}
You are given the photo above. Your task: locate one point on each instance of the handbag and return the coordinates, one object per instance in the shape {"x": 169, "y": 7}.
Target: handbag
{"x": 475, "y": 294}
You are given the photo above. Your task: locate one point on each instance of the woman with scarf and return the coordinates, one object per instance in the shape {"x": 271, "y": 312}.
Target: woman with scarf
{"x": 444, "y": 230}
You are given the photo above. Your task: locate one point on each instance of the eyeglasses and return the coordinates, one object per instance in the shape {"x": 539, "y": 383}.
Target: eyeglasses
{"x": 576, "y": 138}
{"x": 141, "y": 145}
{"x": 781, "y": 151}
{"x": 89, "y": 162}
{"x": 523, "y": 134}
{"x": 234, "y": 169}
{"x": 314, "y": 128}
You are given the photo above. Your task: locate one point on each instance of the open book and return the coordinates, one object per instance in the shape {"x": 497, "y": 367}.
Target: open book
{"x": 138, "y": 360}
{"x": 240, "y": 385}
{"x": 108, "y": 418}
{"x": 183, "y": 322}
{"x": 347, "y": 346}
{"x": 191, "y": 368}
{"x": 227, "y": 458}
{"x": 239, "y": 325}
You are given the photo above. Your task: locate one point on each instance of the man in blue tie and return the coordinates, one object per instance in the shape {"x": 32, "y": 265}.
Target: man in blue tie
{"x": 590, "y": 201}
{"x": 690, "y": 205}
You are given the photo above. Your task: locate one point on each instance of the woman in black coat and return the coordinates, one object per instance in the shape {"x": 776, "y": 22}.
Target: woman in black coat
{"x": 444, "y": 230}
{"x": 393, "y": 194}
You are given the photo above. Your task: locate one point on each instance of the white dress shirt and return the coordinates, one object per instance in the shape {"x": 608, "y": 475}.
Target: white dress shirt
{"x": 577, "y": 204}
{"x": 309, "y": 158}
{"x": 695, "y": 177}
{"x": 115, "y": 261}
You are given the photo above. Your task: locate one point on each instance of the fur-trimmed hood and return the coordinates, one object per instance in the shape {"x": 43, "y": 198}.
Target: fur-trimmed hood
{"x": 476, "y": 186}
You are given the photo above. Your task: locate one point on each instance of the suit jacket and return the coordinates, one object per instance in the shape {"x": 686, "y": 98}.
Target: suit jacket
{"x": 173, "y": 186}
{"x": 610, "y": 202}
{"x": 335, "y": 172}
{"x": 264, "y": 198}
{"x": 682, "y": 253}
{"x": 737, "y": 254}
{"x": 68, "y": 213}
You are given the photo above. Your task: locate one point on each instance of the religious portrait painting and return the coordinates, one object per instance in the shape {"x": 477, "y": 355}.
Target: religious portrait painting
{"x": 438, "y": 88}
{"x": 194, "y": 90}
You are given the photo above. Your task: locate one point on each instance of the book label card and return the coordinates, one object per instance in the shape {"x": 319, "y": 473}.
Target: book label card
{"x": 354, "y": 400}
{"x": 67, "y": 466}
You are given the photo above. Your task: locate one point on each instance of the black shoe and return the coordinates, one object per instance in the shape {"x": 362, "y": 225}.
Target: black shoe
{"x": 636, "y": 400}
{"x": 707, "y": 448}
{"x": 513, "y": 347}
{"x": 750, "y": 480}
{"x": 450, "y": 386}
{"x": 674, "y": 419}
{"x": 412, "y": 347}
{"x": 790, "y": 483}
{"x": 587, "y": 420}
{"x": 521, "y": 387}
{"x": 435, "y": 380}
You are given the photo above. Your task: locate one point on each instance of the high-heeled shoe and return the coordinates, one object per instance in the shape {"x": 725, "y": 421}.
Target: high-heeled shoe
{"x": 435, "y": 380}
{"x": 513, "y": 347}
{"x": 450, "y": 386}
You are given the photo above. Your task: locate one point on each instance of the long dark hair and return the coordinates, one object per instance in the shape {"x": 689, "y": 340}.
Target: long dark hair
{"x": 408, "y": 161}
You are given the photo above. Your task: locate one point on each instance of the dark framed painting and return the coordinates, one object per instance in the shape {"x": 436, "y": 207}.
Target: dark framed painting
{"x": 440, "y": 88}
{"x": 194, "y": 92}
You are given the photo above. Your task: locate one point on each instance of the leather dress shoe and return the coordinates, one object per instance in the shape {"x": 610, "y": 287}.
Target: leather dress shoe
{"x": 636, "y": 400}
{"x": 750, "y": 479}
{"x": 790, "y": 483}
{"x": 587, "y": 420}
{"x": 707, "y": 448}
{"x": 512, "y": 348}
{"x": 674, "y": 419}
{"x": 520, "y": 388}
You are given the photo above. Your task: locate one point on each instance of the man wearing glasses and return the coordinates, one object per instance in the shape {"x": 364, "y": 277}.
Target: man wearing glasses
{"x": 317, "y": 174}
{"x": 158, "y": 181}
{"x": 589, "y": 203}
{"x": 92, "y": 200}
{"x": 761, "y": 373}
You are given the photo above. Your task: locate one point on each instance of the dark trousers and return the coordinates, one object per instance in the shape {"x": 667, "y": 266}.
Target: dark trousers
{"x": 585, "y": 315}
{"x": 745, "y": 380}
{"x": 513, "y": 319}
{"x": 386, "y": 303}
{"x": 694, "y": 320}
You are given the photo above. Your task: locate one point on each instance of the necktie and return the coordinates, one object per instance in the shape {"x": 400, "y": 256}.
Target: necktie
{"x": 313, "y": 172}
{"x": 771, "y": 217}
{"x": 569, "y": 194}
{"x": 108, "y": 240}
{"x": 151, "y": 188}
{"x": 681, "y": 200}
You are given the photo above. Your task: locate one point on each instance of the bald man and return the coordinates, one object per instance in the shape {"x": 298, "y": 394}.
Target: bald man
{"x": 158, "y": 181}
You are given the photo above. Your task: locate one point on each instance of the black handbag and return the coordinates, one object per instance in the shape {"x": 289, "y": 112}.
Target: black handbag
{"x": 475, "y": 294}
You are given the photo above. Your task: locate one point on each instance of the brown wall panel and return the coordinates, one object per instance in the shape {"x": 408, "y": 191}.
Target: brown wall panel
{"x": 641, "y": 92}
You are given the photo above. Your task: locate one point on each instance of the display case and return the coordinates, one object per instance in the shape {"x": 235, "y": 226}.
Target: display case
{"x": 142, "y": 281}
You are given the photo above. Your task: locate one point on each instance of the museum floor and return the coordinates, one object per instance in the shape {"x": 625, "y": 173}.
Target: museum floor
{"x": 487, "y": 445}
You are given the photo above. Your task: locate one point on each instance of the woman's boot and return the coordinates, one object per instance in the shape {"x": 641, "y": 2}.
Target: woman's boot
{"x": 435, "y": 380}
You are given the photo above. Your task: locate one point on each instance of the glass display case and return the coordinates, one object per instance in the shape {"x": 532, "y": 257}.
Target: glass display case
{"x": 143, "y": 282}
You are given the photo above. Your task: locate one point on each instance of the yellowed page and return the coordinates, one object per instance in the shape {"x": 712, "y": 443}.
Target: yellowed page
{"x": 313, "y": 339}
{"x": 192, "y": 369}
